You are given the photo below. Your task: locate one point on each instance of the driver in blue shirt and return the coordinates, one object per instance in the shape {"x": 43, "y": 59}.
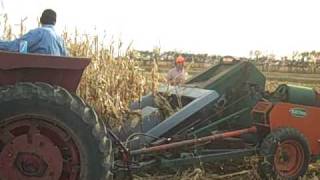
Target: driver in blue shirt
{"x": 42, "y": 40}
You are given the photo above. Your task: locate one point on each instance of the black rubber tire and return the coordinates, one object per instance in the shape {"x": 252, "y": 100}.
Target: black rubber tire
{"x": 78, "y": 119}
{"x": 268, "y": 149}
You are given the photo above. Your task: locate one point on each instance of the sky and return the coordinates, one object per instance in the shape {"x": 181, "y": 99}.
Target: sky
{"x": 225, "y": 27}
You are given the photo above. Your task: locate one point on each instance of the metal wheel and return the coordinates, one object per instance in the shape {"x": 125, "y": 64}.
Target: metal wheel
{"x": 289, "y": 158}
{"x": 37, "y": 148}
{"x": 286, "y": 154}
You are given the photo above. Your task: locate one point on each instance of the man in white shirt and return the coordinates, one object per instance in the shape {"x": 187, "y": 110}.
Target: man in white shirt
{"x": 177, "y": 75}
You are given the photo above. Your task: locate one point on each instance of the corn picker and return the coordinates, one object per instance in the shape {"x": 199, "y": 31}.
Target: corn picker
{"x": 49, "y": 133}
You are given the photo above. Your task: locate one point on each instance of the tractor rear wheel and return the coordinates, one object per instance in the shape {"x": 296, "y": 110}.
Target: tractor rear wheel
{"x": 48, "y": 133}
{"x": 286, "y": 154}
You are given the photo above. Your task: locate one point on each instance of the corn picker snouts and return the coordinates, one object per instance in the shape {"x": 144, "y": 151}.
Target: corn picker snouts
{"x": 47, "y": 132}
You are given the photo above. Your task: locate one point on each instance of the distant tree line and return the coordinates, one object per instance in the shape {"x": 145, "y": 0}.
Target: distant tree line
{"x": 303, "y": 62}
{"x": 171, "y": 56}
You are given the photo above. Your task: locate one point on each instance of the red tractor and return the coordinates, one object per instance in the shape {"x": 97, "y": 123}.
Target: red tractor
{"x": 46, "y": 131}
{"x": 49, "y": 133}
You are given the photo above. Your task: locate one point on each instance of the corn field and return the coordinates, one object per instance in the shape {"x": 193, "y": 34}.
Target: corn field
{"x": 110, "y": 82}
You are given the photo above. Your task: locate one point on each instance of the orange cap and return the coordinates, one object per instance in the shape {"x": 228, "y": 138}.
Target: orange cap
{"x": 180, "y": 60}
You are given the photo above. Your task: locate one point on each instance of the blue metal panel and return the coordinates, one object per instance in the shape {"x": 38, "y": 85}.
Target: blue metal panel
{"x": 207, "y": 97}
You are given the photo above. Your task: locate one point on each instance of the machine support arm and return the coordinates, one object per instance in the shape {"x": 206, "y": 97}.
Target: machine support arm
{"x": 211, "y": 127}
{"x": 174, "y": 145}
